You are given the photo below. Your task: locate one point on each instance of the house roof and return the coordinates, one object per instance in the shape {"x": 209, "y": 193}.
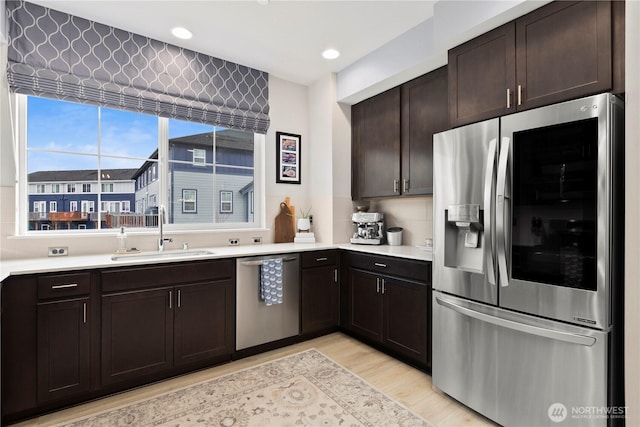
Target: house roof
{"x": 82, "y": 175}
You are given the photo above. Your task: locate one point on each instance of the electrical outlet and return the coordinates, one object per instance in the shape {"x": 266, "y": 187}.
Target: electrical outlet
{"x": 58, "y": 250}
{"x": 234, "y": 241}
{"x": 257, "y": 240}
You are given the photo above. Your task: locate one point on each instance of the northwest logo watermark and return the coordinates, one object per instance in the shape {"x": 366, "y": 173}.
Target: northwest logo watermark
{"x": 557, "y": 412}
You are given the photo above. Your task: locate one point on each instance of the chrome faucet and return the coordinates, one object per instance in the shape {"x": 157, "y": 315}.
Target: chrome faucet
{"x": 161, "y": 219}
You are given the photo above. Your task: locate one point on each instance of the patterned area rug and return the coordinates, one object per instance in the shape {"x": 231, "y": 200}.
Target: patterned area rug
{"x": 304, "y": 389}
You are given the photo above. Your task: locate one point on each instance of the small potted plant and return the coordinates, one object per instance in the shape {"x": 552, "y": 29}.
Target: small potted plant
{"x": 304, "y": 221}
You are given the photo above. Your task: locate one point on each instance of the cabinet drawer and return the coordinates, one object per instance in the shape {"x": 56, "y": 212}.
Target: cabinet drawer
{"x": 319, "y": 258}
{"x": 64, "y": 285}
{"x": 410, "y": 269}
{"x": 123, "y": 279}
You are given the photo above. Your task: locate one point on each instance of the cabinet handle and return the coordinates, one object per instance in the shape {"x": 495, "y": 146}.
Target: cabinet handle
{"x": 519, "y": 94}
{"x": 335, "y": 275}
{"x": 383, "y": 283}
{"x": 321, "y": 259}
{"x": 179, "y": 298}
{"x": 405, "y": 185}
{"x": 379, "y": 264}
{"x": 395, "y": 186}
{"x": 84, "y": 313}
{"x": 64, "y": 286}
{"x": 377, "y": 285}
{"x": 508, "y": 98}
{"x": 170, "y": 299}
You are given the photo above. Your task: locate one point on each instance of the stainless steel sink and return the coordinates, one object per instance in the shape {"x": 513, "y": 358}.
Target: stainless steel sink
{"x": 162, "y": 255}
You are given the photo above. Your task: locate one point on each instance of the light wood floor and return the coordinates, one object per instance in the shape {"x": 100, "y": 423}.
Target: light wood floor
{"x": 407, "y": 385}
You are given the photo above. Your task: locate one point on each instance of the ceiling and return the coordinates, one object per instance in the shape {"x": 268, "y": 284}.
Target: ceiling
{"x": 283, "y": 38}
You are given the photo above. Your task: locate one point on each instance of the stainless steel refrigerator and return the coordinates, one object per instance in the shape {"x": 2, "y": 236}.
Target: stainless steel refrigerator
{"x": 527, "y": 264}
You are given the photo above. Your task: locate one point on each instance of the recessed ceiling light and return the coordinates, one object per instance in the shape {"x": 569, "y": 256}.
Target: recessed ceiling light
{"x": 181, "y": 33}
{"x": 330, "y": 54}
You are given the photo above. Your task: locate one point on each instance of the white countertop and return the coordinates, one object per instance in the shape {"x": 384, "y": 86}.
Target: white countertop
{"x": 67, "y": 263}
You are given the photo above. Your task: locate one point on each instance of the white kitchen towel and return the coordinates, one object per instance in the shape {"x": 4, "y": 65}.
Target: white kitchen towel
{"x": 271, "y": 281}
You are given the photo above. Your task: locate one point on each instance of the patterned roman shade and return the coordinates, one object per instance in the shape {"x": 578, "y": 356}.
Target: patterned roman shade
{"x": 62, "y": 56}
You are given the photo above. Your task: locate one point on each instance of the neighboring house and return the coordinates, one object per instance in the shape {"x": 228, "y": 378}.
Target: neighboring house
{"x": 64, "y": 200}
{"x": 69, "y": 199}
{"x": 199, "y": 194}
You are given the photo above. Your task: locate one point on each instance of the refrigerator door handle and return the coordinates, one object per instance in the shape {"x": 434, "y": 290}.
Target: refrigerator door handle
{"x": 502, "y": 197}
{"x": 520, "y": 327}
{"x": 488, "y": 212}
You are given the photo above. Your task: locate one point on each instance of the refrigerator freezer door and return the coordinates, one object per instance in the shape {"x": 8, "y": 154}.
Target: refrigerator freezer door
{"x": 464, "y": 191}
{"x": 517, "y": 369}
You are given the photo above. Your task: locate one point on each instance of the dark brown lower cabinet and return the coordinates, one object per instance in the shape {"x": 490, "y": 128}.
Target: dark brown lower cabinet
{"x": 319, "y": 293}
{"x": 64, "y": 339}
{"x": 162, "y": 320}
{"x": 204, "y": 323}
{"x": 390, "y": 310}
{"x": 137, "y": 334}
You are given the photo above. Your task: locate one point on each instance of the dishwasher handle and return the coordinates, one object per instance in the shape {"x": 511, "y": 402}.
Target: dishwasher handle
{"x": 261, "y": 261}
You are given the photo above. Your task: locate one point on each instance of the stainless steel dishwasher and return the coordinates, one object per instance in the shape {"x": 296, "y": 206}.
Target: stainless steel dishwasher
{"x": 257, "y": 323}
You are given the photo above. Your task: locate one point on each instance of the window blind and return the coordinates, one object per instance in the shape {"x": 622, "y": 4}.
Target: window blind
{"x": 62, "y": 56}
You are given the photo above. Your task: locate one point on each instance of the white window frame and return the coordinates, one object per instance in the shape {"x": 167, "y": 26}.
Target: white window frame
{"x": 86, "y": 187}
{"x": 73, "y": 206}
{"x": 53, "y": 206}
{"x": 55, "y": 188}
{"x": 199, "y": 157}
{"x": 41, "y": 188}
{"x": 107, "y": 187}
{"x": 228, "y": 210}
{"x": 125, "y": 206}
{"x": 22, "y": 212}
{"x": 190, "y": 200}
{"x": 71, "y": 188}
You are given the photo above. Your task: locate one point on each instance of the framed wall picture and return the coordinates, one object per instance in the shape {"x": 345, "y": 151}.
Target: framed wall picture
{"x": 288, "y": 158}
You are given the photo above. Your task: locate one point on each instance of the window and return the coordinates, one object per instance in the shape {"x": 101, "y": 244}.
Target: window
{"x": 226, "y": 202}
{"x": 40, "y": 188}
{"x": 40, "y": 209}
{"x": 189, "y": 201}
{"x": 127, "y": 163}
{"x": 53, "y": 206}
{"x": 199, "y": 156}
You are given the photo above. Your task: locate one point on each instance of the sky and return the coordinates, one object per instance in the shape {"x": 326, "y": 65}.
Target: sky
{"x": 73, "y": 128}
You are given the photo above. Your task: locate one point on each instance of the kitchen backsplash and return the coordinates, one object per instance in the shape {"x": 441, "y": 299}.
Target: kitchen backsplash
{"x": 413, "y": 214}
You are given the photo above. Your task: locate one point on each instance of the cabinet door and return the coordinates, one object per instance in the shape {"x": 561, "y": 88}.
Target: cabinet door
{"x": 137, "y": 334}
{"x": 365, "y": 314}
{"x": 319, "y": 308}
{"x": 405, "y": 318}
{"x": 63, "y": 349}
{"x": 480, "y": 73}
{"x": 424, "y": 112}
{"x": 564, "y": 52}
{"x": 376, "y": 146}
{"x": 204, "y": 322}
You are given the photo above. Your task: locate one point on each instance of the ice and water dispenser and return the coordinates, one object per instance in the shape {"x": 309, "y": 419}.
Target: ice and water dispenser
{"x": 463, "y": 237}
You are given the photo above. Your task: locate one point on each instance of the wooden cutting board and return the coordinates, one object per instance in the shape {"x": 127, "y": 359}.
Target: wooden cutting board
{"x": 283, "y": 230}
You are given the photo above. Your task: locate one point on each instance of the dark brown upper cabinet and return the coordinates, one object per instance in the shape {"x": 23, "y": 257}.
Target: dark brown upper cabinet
{"x": 561, "y": 51}
{"x": 392, "y": 138}
{"x": 423, "y": 113}
{"x": 376, "y": 146}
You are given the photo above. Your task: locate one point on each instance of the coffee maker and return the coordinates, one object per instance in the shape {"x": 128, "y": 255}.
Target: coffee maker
{"x": 369, "y": 228}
